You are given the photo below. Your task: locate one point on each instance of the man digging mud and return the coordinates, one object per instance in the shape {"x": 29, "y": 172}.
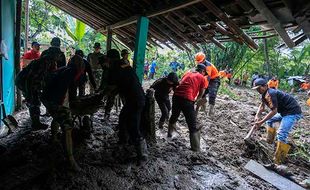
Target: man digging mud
{"x": 284, "y": 109}
{"x": 192, "y": 85}
{"x": 124, "y": 77}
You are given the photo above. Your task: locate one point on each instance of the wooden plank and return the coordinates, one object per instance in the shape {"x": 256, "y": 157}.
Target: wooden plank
{"x": 134, "y": 19}
{"x": 271, "y": 177}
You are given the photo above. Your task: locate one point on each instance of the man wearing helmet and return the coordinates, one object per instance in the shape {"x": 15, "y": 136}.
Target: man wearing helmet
{"x": 213, "y": 78}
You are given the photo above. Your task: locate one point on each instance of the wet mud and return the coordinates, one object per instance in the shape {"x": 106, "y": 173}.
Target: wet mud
{"x": 33, "y": 161}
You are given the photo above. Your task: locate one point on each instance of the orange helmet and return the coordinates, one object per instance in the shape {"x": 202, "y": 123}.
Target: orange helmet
{"x": 200, "y": 57}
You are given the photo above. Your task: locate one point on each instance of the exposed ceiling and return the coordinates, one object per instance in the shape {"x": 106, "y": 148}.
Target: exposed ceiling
{"x": 183, "y": 22}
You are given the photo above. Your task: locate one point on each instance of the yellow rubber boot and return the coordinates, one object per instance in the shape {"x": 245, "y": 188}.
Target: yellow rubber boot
{"x": 271, "y": 134}
{"x": 281, "y": 152}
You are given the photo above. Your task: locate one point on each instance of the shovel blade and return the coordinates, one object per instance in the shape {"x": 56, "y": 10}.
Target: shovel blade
{"x": 10, "y": 122}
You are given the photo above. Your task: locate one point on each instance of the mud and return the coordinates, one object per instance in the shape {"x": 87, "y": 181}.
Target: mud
{"x": 32, "y": 161}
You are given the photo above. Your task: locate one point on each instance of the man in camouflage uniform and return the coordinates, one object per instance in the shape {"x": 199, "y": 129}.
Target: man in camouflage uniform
{"x": 31, "y": 81}
{"x": 54, "y": 98}
{"x": 55, "y": 46}
{"x": 93, "y": 59}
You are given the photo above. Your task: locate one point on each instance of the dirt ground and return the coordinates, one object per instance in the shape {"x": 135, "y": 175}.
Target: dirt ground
{"x": 32, "y": 161}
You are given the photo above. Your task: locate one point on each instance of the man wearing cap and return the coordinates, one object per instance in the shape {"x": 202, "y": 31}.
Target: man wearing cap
{"x": 55, "y": 46}
{"x": 190, "y": 89}
{"x": 93, "y": 60}
{"x": 284, "y": 109}
{"x": 213, "y": 78}
{"x": 34, "y": 53}
{"x": 124, "y": 54}
{"x": 163, "y": 87}
{"x": 127, "y": 82}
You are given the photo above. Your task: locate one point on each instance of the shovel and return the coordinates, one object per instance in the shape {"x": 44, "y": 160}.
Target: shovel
{"x": 9, "y": 120}
{"x": 248, "y": 136}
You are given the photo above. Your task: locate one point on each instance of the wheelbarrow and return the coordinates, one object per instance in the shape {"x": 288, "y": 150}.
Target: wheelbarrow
{"x": 86, "y": 106}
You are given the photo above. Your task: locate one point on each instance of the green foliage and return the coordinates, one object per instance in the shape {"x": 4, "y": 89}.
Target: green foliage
{"x": 224, "y": 89}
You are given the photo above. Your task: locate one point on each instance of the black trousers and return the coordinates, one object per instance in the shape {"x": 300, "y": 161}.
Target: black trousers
{"x": 187, "y": 107}
{"x": 214, "y": 85}
{"x": 164, "y": 106}
{"x": 129, "y": 122}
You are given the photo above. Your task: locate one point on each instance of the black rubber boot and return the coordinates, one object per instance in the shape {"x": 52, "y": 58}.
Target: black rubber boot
{"x": 141, "y": 148}
{"x": 195, "y": 141}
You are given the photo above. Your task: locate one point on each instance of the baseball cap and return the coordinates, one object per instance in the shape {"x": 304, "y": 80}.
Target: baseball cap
{"x": 35, "y": 44}
{"x": 97, "y": 45}
{"x": 258, "y": 83}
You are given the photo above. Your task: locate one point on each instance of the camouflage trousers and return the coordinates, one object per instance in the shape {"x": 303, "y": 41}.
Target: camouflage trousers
{"x": 61, "y": 115}
{"x": 97, "y": 75}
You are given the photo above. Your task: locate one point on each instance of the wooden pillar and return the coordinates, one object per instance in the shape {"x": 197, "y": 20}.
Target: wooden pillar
{"x": 140, "y": 45}
{"x": 109, "y": 39}
{"x": 267, "y": 57}
{"x": 17, "y": 49}
{"x": 26, "y": 25}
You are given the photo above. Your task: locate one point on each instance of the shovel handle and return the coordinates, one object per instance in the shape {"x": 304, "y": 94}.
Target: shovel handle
{"x": 3, "y": 110}
{"x": 250, "y": 132}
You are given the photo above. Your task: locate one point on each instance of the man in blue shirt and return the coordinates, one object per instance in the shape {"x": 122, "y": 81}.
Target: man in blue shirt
{"x": 284, "y": 109}
{"x": 153, "y": 69}
{"x": 174, "y": 65}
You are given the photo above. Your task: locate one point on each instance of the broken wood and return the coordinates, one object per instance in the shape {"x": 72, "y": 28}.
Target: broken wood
{"x": 271, "y": 177}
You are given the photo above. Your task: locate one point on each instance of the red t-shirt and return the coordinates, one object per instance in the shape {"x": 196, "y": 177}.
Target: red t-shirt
{"x": 190, "y": 85}
{"x": 31, "y": 55}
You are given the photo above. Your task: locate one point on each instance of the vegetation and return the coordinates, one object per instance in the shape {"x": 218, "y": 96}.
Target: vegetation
{"x": 47, "y": 21}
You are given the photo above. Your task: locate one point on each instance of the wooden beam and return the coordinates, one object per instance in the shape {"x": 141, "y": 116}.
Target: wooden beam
{"x": 273, "y": 21}
{"x": 151, "y": 14}
{"x": 198, "y": 30}
{"x": 175, "y": 30}
{"x": 109, "y": 39}
{"x": 17, "y": 50}
{"x": 169, "y": 36}
{"x": 222, "y": 16}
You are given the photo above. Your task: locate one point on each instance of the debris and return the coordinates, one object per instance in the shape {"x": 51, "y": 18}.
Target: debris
{"x": 271, "y": 177}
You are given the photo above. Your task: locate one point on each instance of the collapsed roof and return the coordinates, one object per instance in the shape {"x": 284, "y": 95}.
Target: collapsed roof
{"x": 183, "y": 22}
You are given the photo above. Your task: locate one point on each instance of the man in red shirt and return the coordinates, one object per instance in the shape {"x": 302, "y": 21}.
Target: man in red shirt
{"x": 34, "y": 53}
{"x": 191, "y": 88}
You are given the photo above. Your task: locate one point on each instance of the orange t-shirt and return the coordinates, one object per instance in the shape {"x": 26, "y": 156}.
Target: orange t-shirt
{"x": 308, "y": 102}
{"x": 222, "y": 74}
{"x": 305, "y": 85}
{"x": 273, "y": 84}
{"x": 211, "y": 70}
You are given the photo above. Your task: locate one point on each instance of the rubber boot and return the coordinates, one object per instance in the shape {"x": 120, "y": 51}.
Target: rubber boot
{"x": 161, "y": 124}
{"x": 281, "y": 152}
{"x": 141, "y": 149}
{"x": 36, "y": 123}
{"x": 172, "y": 130}
{"x": 54, "y": 130}
{"x": 195, "y": 141}
{"x": 69, "y": 148}
{"x": 271, "y": 134}
{"x": 211, "y": 110}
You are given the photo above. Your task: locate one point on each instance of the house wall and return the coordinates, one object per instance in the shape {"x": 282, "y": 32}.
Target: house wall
{"x": 7, "y": 36}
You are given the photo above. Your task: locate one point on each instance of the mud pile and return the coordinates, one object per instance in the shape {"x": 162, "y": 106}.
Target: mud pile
{"x": 32, "y": 161}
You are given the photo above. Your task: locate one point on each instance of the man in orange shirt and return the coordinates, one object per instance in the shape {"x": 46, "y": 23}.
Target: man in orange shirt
{"x": 273, "y": 83}
{"x": 34, "y": 53}
{"x": 213, "y": 78}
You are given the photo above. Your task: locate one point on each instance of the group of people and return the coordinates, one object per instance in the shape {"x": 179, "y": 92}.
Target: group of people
{"x": 50, "y": 80}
